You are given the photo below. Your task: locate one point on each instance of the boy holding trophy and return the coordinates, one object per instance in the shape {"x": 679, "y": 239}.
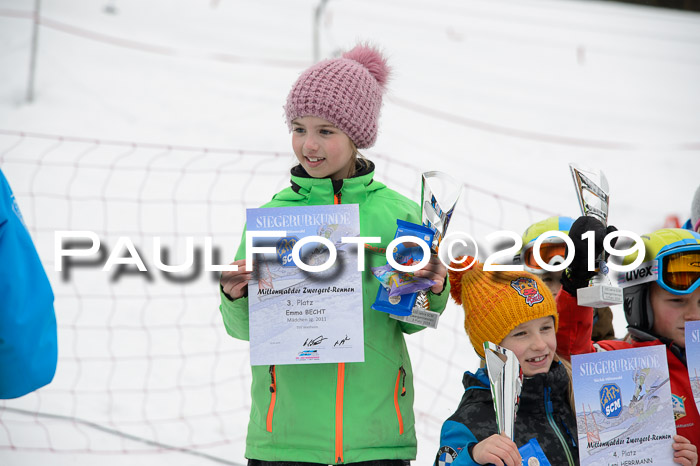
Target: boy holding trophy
{"x": 660, "y": 296}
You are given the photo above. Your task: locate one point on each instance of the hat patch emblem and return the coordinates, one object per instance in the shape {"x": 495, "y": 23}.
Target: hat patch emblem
{"x": 527, "y": 288}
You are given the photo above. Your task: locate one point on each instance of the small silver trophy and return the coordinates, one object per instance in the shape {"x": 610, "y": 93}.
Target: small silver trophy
{"x": 506, "y": 379}
{"x": 436, "y": 214}
{"x": 439, "y": 195}
{"x": 592, "y": 192}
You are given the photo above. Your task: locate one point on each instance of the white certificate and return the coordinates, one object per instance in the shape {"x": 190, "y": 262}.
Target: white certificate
{"x": 299, "y": 317}
{"x": 624, "y": 410}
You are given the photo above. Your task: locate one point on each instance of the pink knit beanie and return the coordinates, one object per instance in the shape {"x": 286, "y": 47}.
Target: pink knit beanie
{"x": 346, "y": 91}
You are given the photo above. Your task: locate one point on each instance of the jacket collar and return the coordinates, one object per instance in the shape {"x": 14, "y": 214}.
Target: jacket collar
{"x": 557, "y": 380}
{"x": 320, "y": 191}
{"x": 647, "y": 336}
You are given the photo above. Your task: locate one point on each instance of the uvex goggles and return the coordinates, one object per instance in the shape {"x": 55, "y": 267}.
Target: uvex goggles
{"x": 552, "y": 252}
{"x": 679, "y": 269}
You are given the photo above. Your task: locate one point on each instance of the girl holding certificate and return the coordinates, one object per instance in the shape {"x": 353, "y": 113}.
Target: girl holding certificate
{"x": 360, "y": 413}
{"x": 516, "y": 311}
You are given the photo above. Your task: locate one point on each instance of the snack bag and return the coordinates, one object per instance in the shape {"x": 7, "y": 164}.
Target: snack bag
{"x": 397, "y": 295}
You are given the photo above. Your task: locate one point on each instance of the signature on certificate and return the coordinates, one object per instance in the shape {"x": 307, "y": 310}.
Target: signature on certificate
{"x": 341, "y": 342}
{"x": 314, "y": 341}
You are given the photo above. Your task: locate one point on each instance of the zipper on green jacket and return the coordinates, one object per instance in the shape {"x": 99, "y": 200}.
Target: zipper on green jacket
{"x": 549, "y": 409}
{"x": 400, "y": 380}
{"x": 273, "y": 399}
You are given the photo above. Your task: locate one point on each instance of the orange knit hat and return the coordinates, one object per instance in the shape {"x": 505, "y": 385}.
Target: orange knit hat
{"x": 496, "y": 302}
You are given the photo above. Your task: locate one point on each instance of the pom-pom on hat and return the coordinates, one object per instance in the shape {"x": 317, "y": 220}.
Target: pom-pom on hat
{"x": 346, "y": 91}
{"x": 496, "y": 302}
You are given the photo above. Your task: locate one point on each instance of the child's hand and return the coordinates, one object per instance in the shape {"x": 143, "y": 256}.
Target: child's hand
{"x": 436, "y": 271}
{"x": 499, "y": 450}
{"x": 234, "y": 283}
{"x": 685, "y": 452}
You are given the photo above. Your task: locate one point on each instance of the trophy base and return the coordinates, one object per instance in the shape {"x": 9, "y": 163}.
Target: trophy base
{"x": 421, "y": 317}
{"x": 599, "y": 296}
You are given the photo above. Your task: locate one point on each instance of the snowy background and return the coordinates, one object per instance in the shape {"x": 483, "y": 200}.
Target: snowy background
{"x": 164, "y": 118}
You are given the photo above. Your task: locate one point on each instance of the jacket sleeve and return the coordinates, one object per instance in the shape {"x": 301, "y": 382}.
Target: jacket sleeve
{"x": 575, "y": 326}
{"x": 437, "y": 304}
{"x": 235, "y": 312}
{"x": 455, "y": 442}
{"x": 28, "y": 341}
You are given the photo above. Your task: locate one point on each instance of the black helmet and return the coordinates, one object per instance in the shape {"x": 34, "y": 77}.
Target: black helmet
{"x": 674, "y": 243}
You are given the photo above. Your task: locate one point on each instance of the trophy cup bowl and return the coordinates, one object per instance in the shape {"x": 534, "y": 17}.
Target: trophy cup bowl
{"x": 439, "y": 195}
{"x": 592, "y": 193}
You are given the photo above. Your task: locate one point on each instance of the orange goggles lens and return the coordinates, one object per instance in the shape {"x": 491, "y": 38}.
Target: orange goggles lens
{"x": 681, "y": 271}
{"x": 548, "y": 252}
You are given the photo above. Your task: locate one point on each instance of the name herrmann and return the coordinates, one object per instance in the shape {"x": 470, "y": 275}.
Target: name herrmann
{"x": 636, "y": 461}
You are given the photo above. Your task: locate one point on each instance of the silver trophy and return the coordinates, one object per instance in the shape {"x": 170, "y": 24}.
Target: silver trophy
{"x": 592, "y": 192}
{"x": 506, "y": 379}
{"x": 439, "y": 195}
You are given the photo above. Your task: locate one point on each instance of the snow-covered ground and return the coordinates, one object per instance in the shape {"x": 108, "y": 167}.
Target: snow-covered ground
{"x": 164, "y": 118}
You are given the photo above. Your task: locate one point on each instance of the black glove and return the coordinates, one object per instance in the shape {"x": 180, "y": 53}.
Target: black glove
{"x": 578, "y": 275}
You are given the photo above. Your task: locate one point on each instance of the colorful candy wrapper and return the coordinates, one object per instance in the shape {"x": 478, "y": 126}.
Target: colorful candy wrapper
{"x": 384, "y": 274}
{"x": 404, "y": 286}
{"x": 401, "y": 283}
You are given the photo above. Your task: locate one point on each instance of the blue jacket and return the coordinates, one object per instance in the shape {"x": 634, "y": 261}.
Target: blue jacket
{"x": 28, "y": 347}
{"x": 544, "y": 413}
